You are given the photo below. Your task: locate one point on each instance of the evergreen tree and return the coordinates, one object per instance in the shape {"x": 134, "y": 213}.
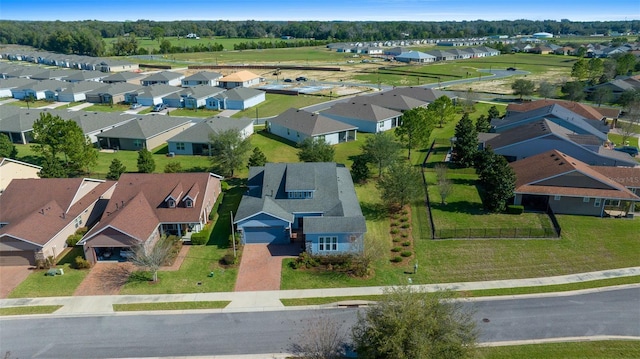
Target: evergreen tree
{"x": 482, "y": 124}
{"x": 146, "y": 163}
{"x": 497, "y": 179}
{"x": 116, "y": 169}
{"x": 7, "y": 148}
{"x": 415, "y": 128}
{"x": 360, "y": 169}
{"x": 315, "y": 151}
{"x": 493, "y": 113}
{"x": 257, "y": 158}
{"x": 52, "y": 168}
{"x": 466, "y": 144}
{"x": 442, "y": 110}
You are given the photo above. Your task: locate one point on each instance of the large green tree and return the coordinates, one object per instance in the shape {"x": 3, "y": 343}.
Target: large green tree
{"x": 466, "y": 144}
{"x": 547, "y": 90}
{"x": 116, "y": 168}
{"x": 415, "y": 128}
{"x": 497, "y": 178}
{"x": 580, "y": 69}
{"x": 573, "y": 90}
{"x": 257, "y": 158}
{"x": 7, "y": 148}
{"x": 399, "y": 184}
{"x": 146, "y": 163}
{"x": 408, "y": 323}
{"x": 601, "y": 94}
{"x": 230, "y": 150}
{"x": 522, "y": 87}
{"x": 442, "y": 110}
{"x": 382, "y": 149}
{"x": 315, "y": 150}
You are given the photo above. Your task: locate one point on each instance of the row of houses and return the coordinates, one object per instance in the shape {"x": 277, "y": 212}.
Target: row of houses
{"x": 316, "y": 207}
{"x": 68, "y": 61}
{"x": 404, "y": 54}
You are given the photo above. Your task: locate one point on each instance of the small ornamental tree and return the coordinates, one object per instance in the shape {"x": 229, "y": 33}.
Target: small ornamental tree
{"x": 399, "y": 184}
{"x": 257, "y": 158}
{"x": 360, "y": 169}
{"x": 381, "y": 149}
{"x": 116, "y": 169}
{"x": 230, "y": 150}
{"x": 7, "y": 148}
{"x": 442, "y": 110}
{"x": 315, "y": 150}
{"x": 146, "y": 163}
{"x": 173, "y": 167}
{"x": 415, "y": 128}
{"x": 547, "y": 90}
{"x": 522, "y": 87}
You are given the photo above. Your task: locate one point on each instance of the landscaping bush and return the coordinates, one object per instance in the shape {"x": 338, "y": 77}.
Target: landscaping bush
{"x": 202, "y": 237}
{"x": 82, "y": 231}
{"x": 404, "y": 235}
{"x": 396, "y": 249}
{"x": 394, "y": 231}
{"x": 405, "y": 225}
{"x": 354, "y": 265}
{"x": 229, "y": 260}
{"x": 214, "y": 210}
{"x": 406, "y": 254}
{"x": 81, "y": 263}
{"x": 396, "y": 259}
{"x": 406, "y": 243}
{"x": 224, "y": 186}
{"x": 515, "y": 209}
{"x": 73, "y": 239}
{"x": 394, "y": 224}
{"x": 404, "y": 219}
{"x": 304, "y": 260}
{"x": 404, "y": 212}
{"x": 396, "y": 239}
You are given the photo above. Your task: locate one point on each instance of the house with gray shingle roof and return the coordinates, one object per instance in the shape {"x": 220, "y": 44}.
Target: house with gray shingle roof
{"x": 313, "y": 204}
{"x": 393, "y": 101}
{"x": 206, "y": 78}
{"x": 195, "y": 140}
{"x": 75, "y": 91}
{"x": 297, "y": 125}
{"x": 365, "y": 116}
{"x": 53, "y": 74}
{"x": 163, "y": 78}
{"x": 237, "y": 98}
{"x": 7, "y": 84}
{"x": 148, "y": 132}
{"x": 151, "y": 95}
{"x": 86, "y": 76}
{"x": 38, "y": 89}
{"x": 112, "y": 93}
{"x": 415, "y": 56}
{"x": 125, "y": 76}
{"x": 192, "y": 97}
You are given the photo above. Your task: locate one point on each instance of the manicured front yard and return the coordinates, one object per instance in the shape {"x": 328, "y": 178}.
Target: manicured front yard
{"x": 609, "y": 349}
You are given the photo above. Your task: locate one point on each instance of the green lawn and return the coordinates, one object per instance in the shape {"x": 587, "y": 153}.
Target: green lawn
{"x": 617, "y": 139}
{"x": 276, "y": 104}
{"x": 133, "y": 307}
{"x": 34, "y": 309}
{"x": 39, "y": 285}
{"x": 186, "y": 112}
{"x": 201, "y": 261}
{"x": 116, "y": 107}
{"x": 609, "y": 349}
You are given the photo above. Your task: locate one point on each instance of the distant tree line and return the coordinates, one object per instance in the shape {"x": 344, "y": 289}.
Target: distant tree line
{"x": 86, "y": 37}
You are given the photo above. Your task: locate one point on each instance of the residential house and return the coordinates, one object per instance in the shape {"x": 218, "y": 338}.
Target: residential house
{"x": 196, "y": 141}
{"x": 110, "y": 65}
{"x": 533, "y": 138}
{"x": 391, "y": 101}
{"x": 163, "y": 78}
{"x": 125, "y": 76}
{"x": 37, "y": 90}
{"x": 365, "y": 116}
{"x": 11, "y": 169}
{"x": 570, "y": 186}
{"x": 151, "y": 95}
{"x": 146, "y": 206}
{"x": 112, "y": 94}
{"x": 86, "y": 76}
{"x": 440, "y": 55}
{"x": 6, "y": 85}
{"x": 618, "y": 86}
{"x": 17, "y": 123}
{"x": 415, "y": 56}
{"x": 423, "y": 94}
{"x": 557, "y": 114}
{"x": 238, "y": 98}
{"x": 38, "y": 215}
{"x": 206, "y": 78}
{"x": 52, "y": 74}
{"x": 588, "y": 112}
{"x": 239, "y": 79}
{"x": 148, "y": 132}
{"x": 297, "y": 125}
{"x": 75, "y": 91}
{"x": 312, "y": 203}
{"x": 192, "y": 97}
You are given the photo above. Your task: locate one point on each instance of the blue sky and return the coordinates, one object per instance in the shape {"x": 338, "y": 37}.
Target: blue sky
{"x": 354, "y": 10}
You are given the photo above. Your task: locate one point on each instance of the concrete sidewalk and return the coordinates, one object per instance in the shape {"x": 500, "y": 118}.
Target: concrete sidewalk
{"x": 270, "y": 300}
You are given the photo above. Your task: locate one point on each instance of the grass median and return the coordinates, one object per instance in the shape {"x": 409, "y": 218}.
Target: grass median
{"x": 134, "y": 307}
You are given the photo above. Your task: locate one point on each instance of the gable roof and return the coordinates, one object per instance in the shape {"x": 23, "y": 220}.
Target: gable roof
{"x": 626, "y": 176}
{"x": 123, "y": 76}
{"x": 541, "y": 174}
{"x": 391, "y": 101}
{"x": 333, "y": 194}
{"x": 420, "y": 93}
{"x": 203, "y": 76}
{"x": 238, "y": 94}
{"x": 362, "y": 111}
{"x": 586, "y": 111}
{"x": 86, "y": 75}
{"x": 138, "y": 204}
{"x": 199, "y": 133}
{"x": 163, "y": 76}
{"x": 37, "y": 209}
{"x": 310, "y": 124}
{"x": 145, "y": 127}
{"x": 240, "y": 76}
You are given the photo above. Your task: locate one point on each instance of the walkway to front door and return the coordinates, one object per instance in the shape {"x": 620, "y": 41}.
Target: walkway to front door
{"x": 261, "y": 266}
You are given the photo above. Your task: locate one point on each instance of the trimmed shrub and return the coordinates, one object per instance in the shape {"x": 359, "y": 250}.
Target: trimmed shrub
{"x": 395, "y": 239}
{"x": 396, "y": 249}
{"x": 406, "y": 254}
{"x": 404, "y": 235}
{"x": 396, "y": 259}
{"x": 82, "y": 231}
{"x": 73, "y": 239}
{"x": 394, "y": 231}
{"x": 406, "y": 243}
{"x": 405, "y": 225}
{"x": 81, "y": 263}
{"x": 404, "y": 212}
{"x": 229, "y": 260}
{"x": 202, "y": 237}
{"x": 515, "y": 209}
{"x": 404, "y": 219}
{"x": 214, "y": 210}
{"x": 394, "y": 224}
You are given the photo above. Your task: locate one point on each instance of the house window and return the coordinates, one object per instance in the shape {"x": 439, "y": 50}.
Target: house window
{"x": 137, "y": 143}
{"x": 171, "y": 203}
{"x": 557, "y": 198}
{"x": 586, "y": 199}
{"x": 596, "y": 202}
{"x": 78, "y": 222}
{"x": 179, "y": 146}
{"x": 328, "y": 244}
{"x": 188, "y": 203}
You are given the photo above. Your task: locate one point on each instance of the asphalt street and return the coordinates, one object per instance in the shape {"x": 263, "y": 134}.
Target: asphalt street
{"x": 614, "y": 312}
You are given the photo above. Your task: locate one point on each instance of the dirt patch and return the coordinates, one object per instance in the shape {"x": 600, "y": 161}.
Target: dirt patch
{"x": 503, "y": 86}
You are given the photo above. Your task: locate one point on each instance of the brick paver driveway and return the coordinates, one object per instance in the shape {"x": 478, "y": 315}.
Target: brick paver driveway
{"x": 106, "y": 278}
{"x": 11, "y": 277}
{"x": 261, "y": 266}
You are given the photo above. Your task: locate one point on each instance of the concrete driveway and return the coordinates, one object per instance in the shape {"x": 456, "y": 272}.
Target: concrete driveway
{"x": 11, "y": 277}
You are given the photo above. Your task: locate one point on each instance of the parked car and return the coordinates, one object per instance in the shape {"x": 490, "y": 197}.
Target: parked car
{"x": 511, "y": 68}
{"x": 159, "y": 107}
{"x": 288, "y": 80}
{"x": 135, "y": 106}
{"x": 301, "y": 78}
{"x": 631, "y": 150}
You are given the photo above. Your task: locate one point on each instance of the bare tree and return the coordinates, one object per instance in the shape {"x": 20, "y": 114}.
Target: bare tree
{"x": 153, "y": 258}
{"x": 445, "y": 187}
{"x": 630, "y": 125}
{"x": 321, "y": 338}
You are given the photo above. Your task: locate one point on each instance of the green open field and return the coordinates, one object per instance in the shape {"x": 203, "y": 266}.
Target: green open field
{"x": 608, "y": 349}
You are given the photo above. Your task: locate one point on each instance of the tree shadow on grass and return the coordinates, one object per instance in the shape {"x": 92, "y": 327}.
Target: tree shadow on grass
{"x": 273, "y": 137}
{"x": 374, "y": 211}
{"x": 199, "y": 169}
{"x": 34, "y": 160}
{"x": 70, "y": 258}
{"x": 459, "y": 207}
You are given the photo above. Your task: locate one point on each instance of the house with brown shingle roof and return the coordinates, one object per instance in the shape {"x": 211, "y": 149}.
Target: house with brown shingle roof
{"x": 570, "y": 186}
{"x": 242, "y": 78}
{"x": 146, "y": 206}
{"x": 586, "y": 111}
{"x": 297, "y": 125}
{"x": 38, "y": 215}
